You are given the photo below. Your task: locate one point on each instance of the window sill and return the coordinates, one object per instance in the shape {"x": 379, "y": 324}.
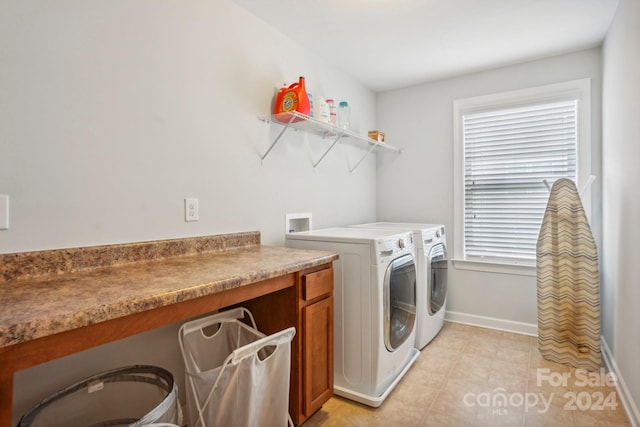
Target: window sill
{"x": 495, "y": 267}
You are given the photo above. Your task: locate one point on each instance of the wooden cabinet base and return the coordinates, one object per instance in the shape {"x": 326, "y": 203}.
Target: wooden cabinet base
{"x": 316, "y": 312}
{"x": 34, "y": 352}
{"x": 276, "y": 304}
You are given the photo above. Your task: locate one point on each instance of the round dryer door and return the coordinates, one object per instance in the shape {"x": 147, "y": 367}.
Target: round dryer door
{"x": 437, "y": 278}
{"x": 399, "y": 301}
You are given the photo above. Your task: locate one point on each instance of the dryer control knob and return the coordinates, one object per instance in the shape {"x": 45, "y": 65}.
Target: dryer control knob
{"x": 401, "y": 243}
{"x": 438, "y": 233}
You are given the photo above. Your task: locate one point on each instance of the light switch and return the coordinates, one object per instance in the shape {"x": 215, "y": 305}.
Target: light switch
{"x": 4, "y": 212}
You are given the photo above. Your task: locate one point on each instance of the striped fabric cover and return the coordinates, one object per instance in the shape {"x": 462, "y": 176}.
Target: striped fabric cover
{"x": 568, "y": 283}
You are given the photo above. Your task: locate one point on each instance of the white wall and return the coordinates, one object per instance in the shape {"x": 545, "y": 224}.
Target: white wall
{"x": 621, "y": 195}
{"x": 418, "y": 184}
{"x": 113, "y": 111}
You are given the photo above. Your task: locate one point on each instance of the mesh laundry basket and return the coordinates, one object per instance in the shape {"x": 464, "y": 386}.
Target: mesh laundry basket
{"x": 133, "y": 396}
{"x": 235, "y": 375}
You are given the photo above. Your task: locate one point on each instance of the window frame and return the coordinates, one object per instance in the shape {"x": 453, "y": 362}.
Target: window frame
{"x": 579, "y": 90}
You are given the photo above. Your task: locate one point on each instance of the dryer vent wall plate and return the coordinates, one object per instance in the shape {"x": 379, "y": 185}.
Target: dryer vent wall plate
{"x": 298, "y": 222}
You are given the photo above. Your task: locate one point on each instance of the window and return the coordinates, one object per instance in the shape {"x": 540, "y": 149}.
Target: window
{"x": 506, "y": 145}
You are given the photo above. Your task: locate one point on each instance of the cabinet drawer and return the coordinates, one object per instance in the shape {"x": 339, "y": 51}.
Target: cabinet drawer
{"x": 317, "y": 284}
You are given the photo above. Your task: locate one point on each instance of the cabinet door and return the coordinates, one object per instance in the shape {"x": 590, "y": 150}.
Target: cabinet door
{"x": 318, "y": 354}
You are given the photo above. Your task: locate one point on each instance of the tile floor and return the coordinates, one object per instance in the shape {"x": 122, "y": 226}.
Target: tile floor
{"x": 462, "y": 375}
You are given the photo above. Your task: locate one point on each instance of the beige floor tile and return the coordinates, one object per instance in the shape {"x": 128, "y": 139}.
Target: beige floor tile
{"x": 488, "y": 348}
{"x": 537, "y": 361}
{"x": 477, "y": 359}
{"x": 420, "y": 383}
{"x": 558, "y": 394}
{"x": 445, "y": 386}
{"x": 602, "y": 418}
{"x": 443, "y": 419}
{"x": 328, "y": 416}
{"x": 321, "y": 418}
{"x": 449, "y": 409}
{"x": 433, "y": 350}
{"x": 428, "y": 372}
{"x": 549, "y": 376}
{"x": 508, "y": 354}
{"x": 469, "y": 369}
{"x": 490, "y": 417}
{"x": 512, "y": 367}
{"x": 450, "y": 342}
{"x": 597, "y": 405}
{"x": 335, "y": 402}
{"x": 523, "y": 342}
{"x": 441, "y": 360}
{"x": 348, "y": 414}
{"x": 454, "y": 391}
{"x": 476, "y": 331}
{"x": 581, "y": 379}
{"x": 482, "y": 348}
{"x": 519, "y": 346}
{"x": 552, "y": 414}
{"x": 450, "y": 326}
{"x": 546, "y": 420}
{"x": 510, "y": 382}
{"x": 402, "y": 408}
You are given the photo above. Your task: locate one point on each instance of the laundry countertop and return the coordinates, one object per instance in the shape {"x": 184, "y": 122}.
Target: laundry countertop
{"x": 44, "y": 293}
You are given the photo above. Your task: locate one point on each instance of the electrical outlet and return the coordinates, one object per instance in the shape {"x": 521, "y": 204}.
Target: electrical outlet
{"x": 191, "y": 209}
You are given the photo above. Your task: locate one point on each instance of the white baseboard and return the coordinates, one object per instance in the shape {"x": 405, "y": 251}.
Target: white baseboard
{"x": 621, "y": 386}
{"x": 492, "y": 323}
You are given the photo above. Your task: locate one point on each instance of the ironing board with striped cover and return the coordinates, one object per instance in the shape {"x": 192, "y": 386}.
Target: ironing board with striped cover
{"x": 568, "y": 282}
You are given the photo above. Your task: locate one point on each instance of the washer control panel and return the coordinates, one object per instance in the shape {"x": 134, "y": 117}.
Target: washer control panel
{"x": 433, "y": 235}
{"x": 395, "y": 246}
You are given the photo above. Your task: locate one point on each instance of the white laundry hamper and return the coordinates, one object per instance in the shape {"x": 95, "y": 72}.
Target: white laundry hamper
{"x": 235, "y": 376}
{"x": 132, "y": 396}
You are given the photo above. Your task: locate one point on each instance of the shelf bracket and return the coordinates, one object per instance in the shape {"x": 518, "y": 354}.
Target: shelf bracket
{"x": 373, "y": 147}
{"x": 328, "y": 149}
{"x": 275, "y": 141}
{"x": 299, "y": 121}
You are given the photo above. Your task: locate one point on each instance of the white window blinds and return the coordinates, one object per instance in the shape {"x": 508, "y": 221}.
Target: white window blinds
{"x": 507, "y": 154}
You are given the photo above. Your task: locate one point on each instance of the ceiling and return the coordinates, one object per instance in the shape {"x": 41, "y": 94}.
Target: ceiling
{"x": 388, "y": 44}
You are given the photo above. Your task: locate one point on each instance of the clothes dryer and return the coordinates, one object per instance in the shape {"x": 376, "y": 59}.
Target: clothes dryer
{"x": 375, "y": 307}
{"x": 432, "y": 267}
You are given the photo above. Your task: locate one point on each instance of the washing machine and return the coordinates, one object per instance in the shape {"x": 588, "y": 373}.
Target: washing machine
{"x": 432, "y": 267}
{"x": 374, "y": 307}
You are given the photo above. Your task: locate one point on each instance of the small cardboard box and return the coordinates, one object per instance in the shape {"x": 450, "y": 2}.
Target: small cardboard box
{"x": 377, "y": 135}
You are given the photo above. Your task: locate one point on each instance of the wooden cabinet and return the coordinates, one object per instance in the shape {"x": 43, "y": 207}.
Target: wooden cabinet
{"x": 268, "y": 280}
{"x": 317, "y": 339}
{"x": 317, "y": 351}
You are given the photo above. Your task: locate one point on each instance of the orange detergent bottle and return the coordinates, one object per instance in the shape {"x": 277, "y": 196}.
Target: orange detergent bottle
{"x": 292, "y": 98}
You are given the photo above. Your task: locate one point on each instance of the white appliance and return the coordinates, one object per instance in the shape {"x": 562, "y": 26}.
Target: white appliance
{"x": 374, "y": 311}
{"x": 431, "y": 261}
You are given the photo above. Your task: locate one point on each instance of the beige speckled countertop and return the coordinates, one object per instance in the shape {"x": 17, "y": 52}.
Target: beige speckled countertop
{"x": 43, "y": 293}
